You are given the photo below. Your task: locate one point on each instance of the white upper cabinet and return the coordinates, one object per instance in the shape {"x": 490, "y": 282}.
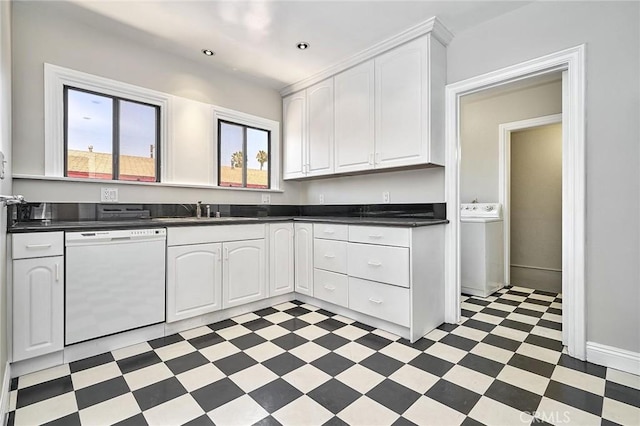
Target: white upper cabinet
{"x": 308, "y": 132}
{"x": 388, "y": 113}
{"x": 294, "y": 136}
{"x": 320, "y": 129}
{"x": 354, "y": 115}
{"x": 401, "y": 105}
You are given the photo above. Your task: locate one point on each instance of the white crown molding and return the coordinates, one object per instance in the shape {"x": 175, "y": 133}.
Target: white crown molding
{"x": 611, "y": 357}
{"x": 432, "y": 26}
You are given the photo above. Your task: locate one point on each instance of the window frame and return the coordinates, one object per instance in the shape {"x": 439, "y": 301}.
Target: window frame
{"x": 249, "y": 121}
{"x": 244, "y": 154}
{"x": 57, "y": 77}
{"x": 115, "y": 137}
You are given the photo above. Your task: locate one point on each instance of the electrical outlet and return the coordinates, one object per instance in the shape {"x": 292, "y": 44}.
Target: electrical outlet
{"x": 266, "y": 198}
{"x": 385, "y": 197}
{"x": 109, "y": 195}
{"x": 321, "y": 198}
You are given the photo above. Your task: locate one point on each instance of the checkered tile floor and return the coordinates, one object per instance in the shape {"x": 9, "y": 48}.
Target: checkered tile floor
{"x": 295, "y": 364}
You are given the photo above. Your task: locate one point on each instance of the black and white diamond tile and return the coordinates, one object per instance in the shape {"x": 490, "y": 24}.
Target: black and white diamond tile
{"x": 295, "y": 364}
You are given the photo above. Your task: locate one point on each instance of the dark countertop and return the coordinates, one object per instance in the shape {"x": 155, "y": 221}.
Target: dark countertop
{"x": 50, "y": 226}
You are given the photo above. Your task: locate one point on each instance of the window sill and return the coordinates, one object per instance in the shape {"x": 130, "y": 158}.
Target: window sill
{"x": 152, "y": 184}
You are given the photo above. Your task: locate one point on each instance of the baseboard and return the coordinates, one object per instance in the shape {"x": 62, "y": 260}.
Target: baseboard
{"x": 609, "y": 356}
{"x": 4, "y": 393}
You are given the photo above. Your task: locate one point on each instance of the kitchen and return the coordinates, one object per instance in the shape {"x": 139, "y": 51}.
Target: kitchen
{"x": 92, "y": 47}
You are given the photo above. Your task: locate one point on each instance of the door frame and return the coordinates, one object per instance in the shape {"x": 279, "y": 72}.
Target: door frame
{"x": 504, "y": 175}
{"x": 572, "y": 62}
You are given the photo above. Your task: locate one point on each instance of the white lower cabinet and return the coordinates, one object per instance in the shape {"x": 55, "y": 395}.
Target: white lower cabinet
{"x": 384, "y": 301}
{"x": 194, "y": 280}
{"x": 207, "y": 272}
{"x": 281, "y": 258}
{"x": 303, "y": 264}
{"x": 331, "y": 287}
{"x": 37, "y": 294}
{"x": 243, "y": 273}
{"x": 38, "y": 298}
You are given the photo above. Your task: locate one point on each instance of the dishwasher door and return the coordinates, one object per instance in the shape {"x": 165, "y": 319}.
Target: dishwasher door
{"x": 113, "y": 284}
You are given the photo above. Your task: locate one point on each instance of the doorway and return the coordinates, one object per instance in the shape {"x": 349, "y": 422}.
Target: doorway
{"x": 572, "y": 65}
{"x": 530, "y": 192}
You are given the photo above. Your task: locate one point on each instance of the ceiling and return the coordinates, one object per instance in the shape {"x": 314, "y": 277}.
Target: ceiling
{"x": 257, "y": 39}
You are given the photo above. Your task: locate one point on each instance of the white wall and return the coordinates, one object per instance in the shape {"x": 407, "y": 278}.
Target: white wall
{"x": 5, "y": 184}
{"x": 43, "y": 33}
{"x": 536, "y": 208}
{"x": 408, "y": 186}
{"x": 480, "y": 117}
{"x": 611, "y": 33}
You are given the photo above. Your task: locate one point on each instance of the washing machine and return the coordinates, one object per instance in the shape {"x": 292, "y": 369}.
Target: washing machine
{"x": 481, "y": 248}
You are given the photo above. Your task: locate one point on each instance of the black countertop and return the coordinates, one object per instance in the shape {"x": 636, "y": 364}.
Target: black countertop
{"x": 50, "y": 226}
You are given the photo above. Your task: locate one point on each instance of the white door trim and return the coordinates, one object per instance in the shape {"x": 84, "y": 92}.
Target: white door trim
{"x": 573, "y": 280}
{"x": 504, "y": 175}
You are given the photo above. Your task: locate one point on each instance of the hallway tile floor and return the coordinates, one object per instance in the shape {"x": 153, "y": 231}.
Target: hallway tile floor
{"x": 295, "y": 364}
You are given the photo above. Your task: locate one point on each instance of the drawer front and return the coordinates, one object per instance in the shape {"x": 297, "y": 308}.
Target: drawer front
{"x": 37, "y": 244}
{"x": 180, "y": 236}
{"x": 383, "y": 301}
{"x": 380, "y": 235}
{"x": 330, "y": 255}
{"x": 330, "y": 231}
{"x": 331, "y": 287}
{"x": 379, "y": 263}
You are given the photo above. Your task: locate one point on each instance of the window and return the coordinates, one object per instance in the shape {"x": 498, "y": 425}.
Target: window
{"x": 243, "y": 156}
{"x": 109, "y": 137}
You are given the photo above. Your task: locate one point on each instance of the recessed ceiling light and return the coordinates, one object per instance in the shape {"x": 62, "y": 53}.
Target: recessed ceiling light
{"x": 303, "y": 45}
{"x": 208, "y": 52}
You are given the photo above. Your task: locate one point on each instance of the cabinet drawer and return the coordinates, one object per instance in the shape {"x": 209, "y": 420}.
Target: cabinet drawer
{"x": 40, "y": 244}
{"x": 380, "y": 235}
{"x": 331, "y": 287}
{"x": 181, "y": 236}
{"x": 330, "y": 255}
{"x": 379, "y": 263}
{"x": 330, "y": 231}
{"x": 383, "y": 301}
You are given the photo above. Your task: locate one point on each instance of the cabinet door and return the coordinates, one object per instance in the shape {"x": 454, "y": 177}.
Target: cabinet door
{"x": 294, "y": 135}
{"x": 304, "y": 258}
{"x": 401, "y": 114}
{"x": 194, "y": 280}
{"x": 281, "y": 264}
{"x": 244, "y": 272}
{"x": 354, "y": 112}
{"x": 38, "y": 298}
{"x": 320, "y": 128}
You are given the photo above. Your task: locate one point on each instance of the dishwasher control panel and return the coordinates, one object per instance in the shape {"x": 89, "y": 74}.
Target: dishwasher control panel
{"x": 119, "y": 235}
{"x": 148, "y": 232}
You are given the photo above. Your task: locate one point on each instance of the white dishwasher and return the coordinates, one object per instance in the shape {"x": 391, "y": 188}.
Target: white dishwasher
{"x": 115, "y": 281}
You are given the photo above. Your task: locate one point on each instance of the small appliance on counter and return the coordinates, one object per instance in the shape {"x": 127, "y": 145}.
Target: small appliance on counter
{"x": 481, "y": 248}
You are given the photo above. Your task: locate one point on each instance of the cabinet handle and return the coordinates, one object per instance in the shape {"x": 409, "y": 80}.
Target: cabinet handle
{"x": 377, "y": 158}
{"x": 375, "y": 236}
{"x": 219, "y": 255}
{"x": 329, "y": 287}
{"x": 371, "y": 158}
{"x": 57, "y": 272}
{"x": 330, "y": 256}
{"x": 38, "y": 246}
{"x": 226, "y": 253}
{"x": 373, "y": 263}
{"x": 329, "y": 231}
{"x": 376, "y": 301}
